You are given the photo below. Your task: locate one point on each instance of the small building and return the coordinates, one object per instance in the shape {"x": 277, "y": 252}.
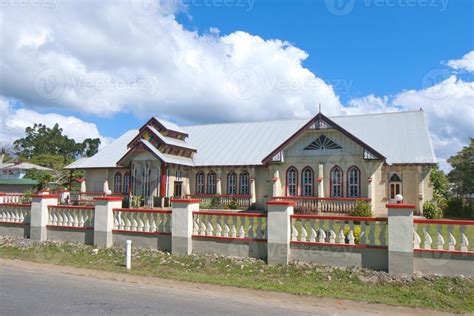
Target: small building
{"x": 12, "y": 176}
{"x": 324, "y": 164}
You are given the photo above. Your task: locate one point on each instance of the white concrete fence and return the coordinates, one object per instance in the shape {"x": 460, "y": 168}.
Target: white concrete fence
{"x": 397, "y": 244}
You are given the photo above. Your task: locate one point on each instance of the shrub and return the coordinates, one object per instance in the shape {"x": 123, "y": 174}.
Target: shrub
{"x": 233, "y": 205}
{"x": 216, "y": 202}
{"x": 361, "y": 209}
{"x": 357, "y": 231}
{"x": 431, "y": 210}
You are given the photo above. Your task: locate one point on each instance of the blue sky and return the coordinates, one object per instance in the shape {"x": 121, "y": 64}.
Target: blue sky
{"x": 100, "y": 69}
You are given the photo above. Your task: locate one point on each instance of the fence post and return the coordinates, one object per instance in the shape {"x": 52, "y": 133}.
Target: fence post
{"x": 104, "y": 219}
{"x": 65, "y": 196}
{"x": 279, "y": 231}
{"x": 400, "y": 238}
{"x": 2, "y": 195}
{"x": 39, "y": 214}
{"x": 182, "y": 225}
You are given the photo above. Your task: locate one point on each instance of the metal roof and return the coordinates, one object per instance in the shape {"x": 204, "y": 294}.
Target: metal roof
{"x": 23, "y": 166}
{"x": 170, "y": 140}
{"x": 168, "y": 158}
{"x": 402, "y": 137}
{"x": 170, "y": 125}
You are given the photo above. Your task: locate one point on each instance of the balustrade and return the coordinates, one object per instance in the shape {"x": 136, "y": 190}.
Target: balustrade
{"x": 443, "y": 235}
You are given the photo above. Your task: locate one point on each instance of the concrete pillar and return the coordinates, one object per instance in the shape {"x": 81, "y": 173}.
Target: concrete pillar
{"x": 276, "y": 183}
{"x": 65, "y": 196}
{"x": 182, "y": 225}
{"x": 320, "y": 180}
{"x": 218, "y": 185}
{"x": 279, "y": 231}
{"x": 39, "y": 214}
{"x": 400, "y": 238}
{"x": 104, "y": 219}
{"x": 253, "y": 193}
{"x": 2, "y": 197}
{"x": 371, "y": 193}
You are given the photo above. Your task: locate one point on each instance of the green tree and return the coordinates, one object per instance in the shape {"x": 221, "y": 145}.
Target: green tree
{"x": 42, "y": 140}
{"x": 462, "y": 175}
{"x": 440, "y": 183}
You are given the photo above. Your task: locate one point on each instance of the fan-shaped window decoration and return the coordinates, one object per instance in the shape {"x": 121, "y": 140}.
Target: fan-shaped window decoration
{"x": 322, "y": 142}
{"x": 211, "y": 183}
{"x": 200, "y": 183}
{"x": 291, "y": 181}
{"x": 307, "y": 182}
{"x": 336, "y": 182}
{"x": 244, "y": 183}
{"x": 395, "y": 178}
{"x": 232, "y": 183}
{"x": 118, "y": 182}
{"x": 126, "y": 182}
{"x": 353, "y": 181}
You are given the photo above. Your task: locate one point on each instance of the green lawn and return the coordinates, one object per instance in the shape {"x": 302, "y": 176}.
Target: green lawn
{"x": 440, "y": 293}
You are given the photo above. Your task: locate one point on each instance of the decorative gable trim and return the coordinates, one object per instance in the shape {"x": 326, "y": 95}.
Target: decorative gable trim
{"x": 320, "y": 121}
{"x": 322, "y": 142}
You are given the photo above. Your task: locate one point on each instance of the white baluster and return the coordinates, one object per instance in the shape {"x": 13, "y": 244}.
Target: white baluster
{"x": 362, "y": 237}
{"x": 260, "y": 231}
{"x": 428, "y": 240}
{"x": 250, "y": 229}
{"x": 416, "y": 240}
{"x": 195, "y": 224}
{"x": 128, "y": 221}
{"x": 294, "y": 232}
{"x": 226, "y": 230}
{"x": 322, "y": 235}
{"x": 218, "y": 230}
{"x": 241, "y": 231}
{"x": 83, "y": 218}
{"x": 210, "y": 229}
{"x": 314, "y": 234}
{"x": 233, "y": 231}
{"x": 76, "y": 217}
{"x": 153, "y": 222}
{"x": 464, "y": 243}
{"x": 140, "y": 222}
{"x": 202, "y": 228}
{"x": 332, "y": 236}
{"x": 451, "y": 239}
{"x": 341, "y": 236}
{"x": 350, "y": 235}
{"x": 116, "y": 220}
{"x": 304, "y": 233}
{"x": 440, "y": 238}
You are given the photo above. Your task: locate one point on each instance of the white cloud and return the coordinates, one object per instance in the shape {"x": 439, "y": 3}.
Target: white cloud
{"x": 14, "y": 121}
{"x": 108, "y": 57}
{"x": 465, "y": 63}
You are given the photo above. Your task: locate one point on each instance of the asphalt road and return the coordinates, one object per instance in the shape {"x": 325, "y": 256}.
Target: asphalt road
{"x": 32, "y": 289}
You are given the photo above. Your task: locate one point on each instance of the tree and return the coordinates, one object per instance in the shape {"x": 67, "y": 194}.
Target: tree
{"x": 462, "y": 174}
{"x": 42, "y": 140}
{"x": 440, "y": 183}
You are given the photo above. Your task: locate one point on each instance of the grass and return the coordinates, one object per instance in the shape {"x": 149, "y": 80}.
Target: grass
{"x": 440, "y": 293}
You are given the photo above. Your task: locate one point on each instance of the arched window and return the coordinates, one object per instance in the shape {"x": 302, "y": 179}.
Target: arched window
{"x": 336, "y": 182}
{"x": 211, "y": 183}
{"x": 126, "y": 182}
{"x": 291, "y": 181}
{"x": 353, "y": 182}
{"x": 244, "y": 183}
{"x": 118, "y": 182}
{"x": 200, "y": 183}
{"x": 395, "y": 185}
{"x": 307, "y": 177}
{"x": 232, "y": 183}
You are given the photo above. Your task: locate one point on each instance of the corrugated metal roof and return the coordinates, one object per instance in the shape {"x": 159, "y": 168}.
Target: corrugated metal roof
{"x": 168, "y": 158}
{"x": 170, "y": 140}
{"x": 170, "y": 125}
{"x": 23, "y": 166}
{"x": 402, "y": 137}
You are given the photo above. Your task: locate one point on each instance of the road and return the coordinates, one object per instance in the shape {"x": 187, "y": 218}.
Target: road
{"x": 34, "y": 289}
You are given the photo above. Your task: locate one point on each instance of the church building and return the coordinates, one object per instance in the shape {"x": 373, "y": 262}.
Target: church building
{"x": 324, "y": 164}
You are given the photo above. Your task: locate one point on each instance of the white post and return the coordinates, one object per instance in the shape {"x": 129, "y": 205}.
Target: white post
{"x": 128, "y": 254}
{"x": 253, "y": 198}
{"x": 39, "y": 214}
{"x": 104, "y": 219}
{"x": 276, "y": 183}
{"x": 320, "y": 180}
{"x": 2, "y": 197}
{"x": 279, "y": 231}
{"x": 400, "y": 238}
{"x": 182, "y": 225}
{"x": 65, "y": 196}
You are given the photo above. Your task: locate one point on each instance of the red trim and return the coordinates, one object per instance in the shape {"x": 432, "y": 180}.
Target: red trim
{"x": 341, "y": 184}
{"x": 71, "y": 207}
{"x": 337, "y": 245}
{"x": 109, "y": 198}
{"x": 185, "y": 201}
{"x": 242, "y": 214}
{"x": 319, "y": 179}
{"x": 444, "y": 221}
{"x": 341, "y": 218}
{"x": 137, "y": 210}
{"x": 164, "y": 175}
{"x": 2, "y": 194}
{"x": 348, "y": 178}
{"x": 45, "y": 196}
{"x": 410, "y": 206}
{"x": 230, "y": 238}
{"x": 330, "y": 122}
{"x": 13, "y": 223}
{"x": 320, "y": 198}
{"x": 69, "y": 227}
{"x": 286, "y": 180}
{"x": 15, "y": 204}
{"x": 302, "y": 181}
{"x": 222, "y": 195}
{"x": 457, "y": 252}
{"x": 291, "y": 203}
{"x": 138, "y": 232}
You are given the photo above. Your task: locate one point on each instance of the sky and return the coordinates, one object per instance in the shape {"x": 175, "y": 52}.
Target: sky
{"x": 101, "y": 68}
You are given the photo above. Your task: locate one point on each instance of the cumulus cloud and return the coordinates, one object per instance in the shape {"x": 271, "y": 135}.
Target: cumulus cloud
{"x": 108, "y": 57}
{"x": 15, "y": 120}
{"x": 465, "y": 63}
